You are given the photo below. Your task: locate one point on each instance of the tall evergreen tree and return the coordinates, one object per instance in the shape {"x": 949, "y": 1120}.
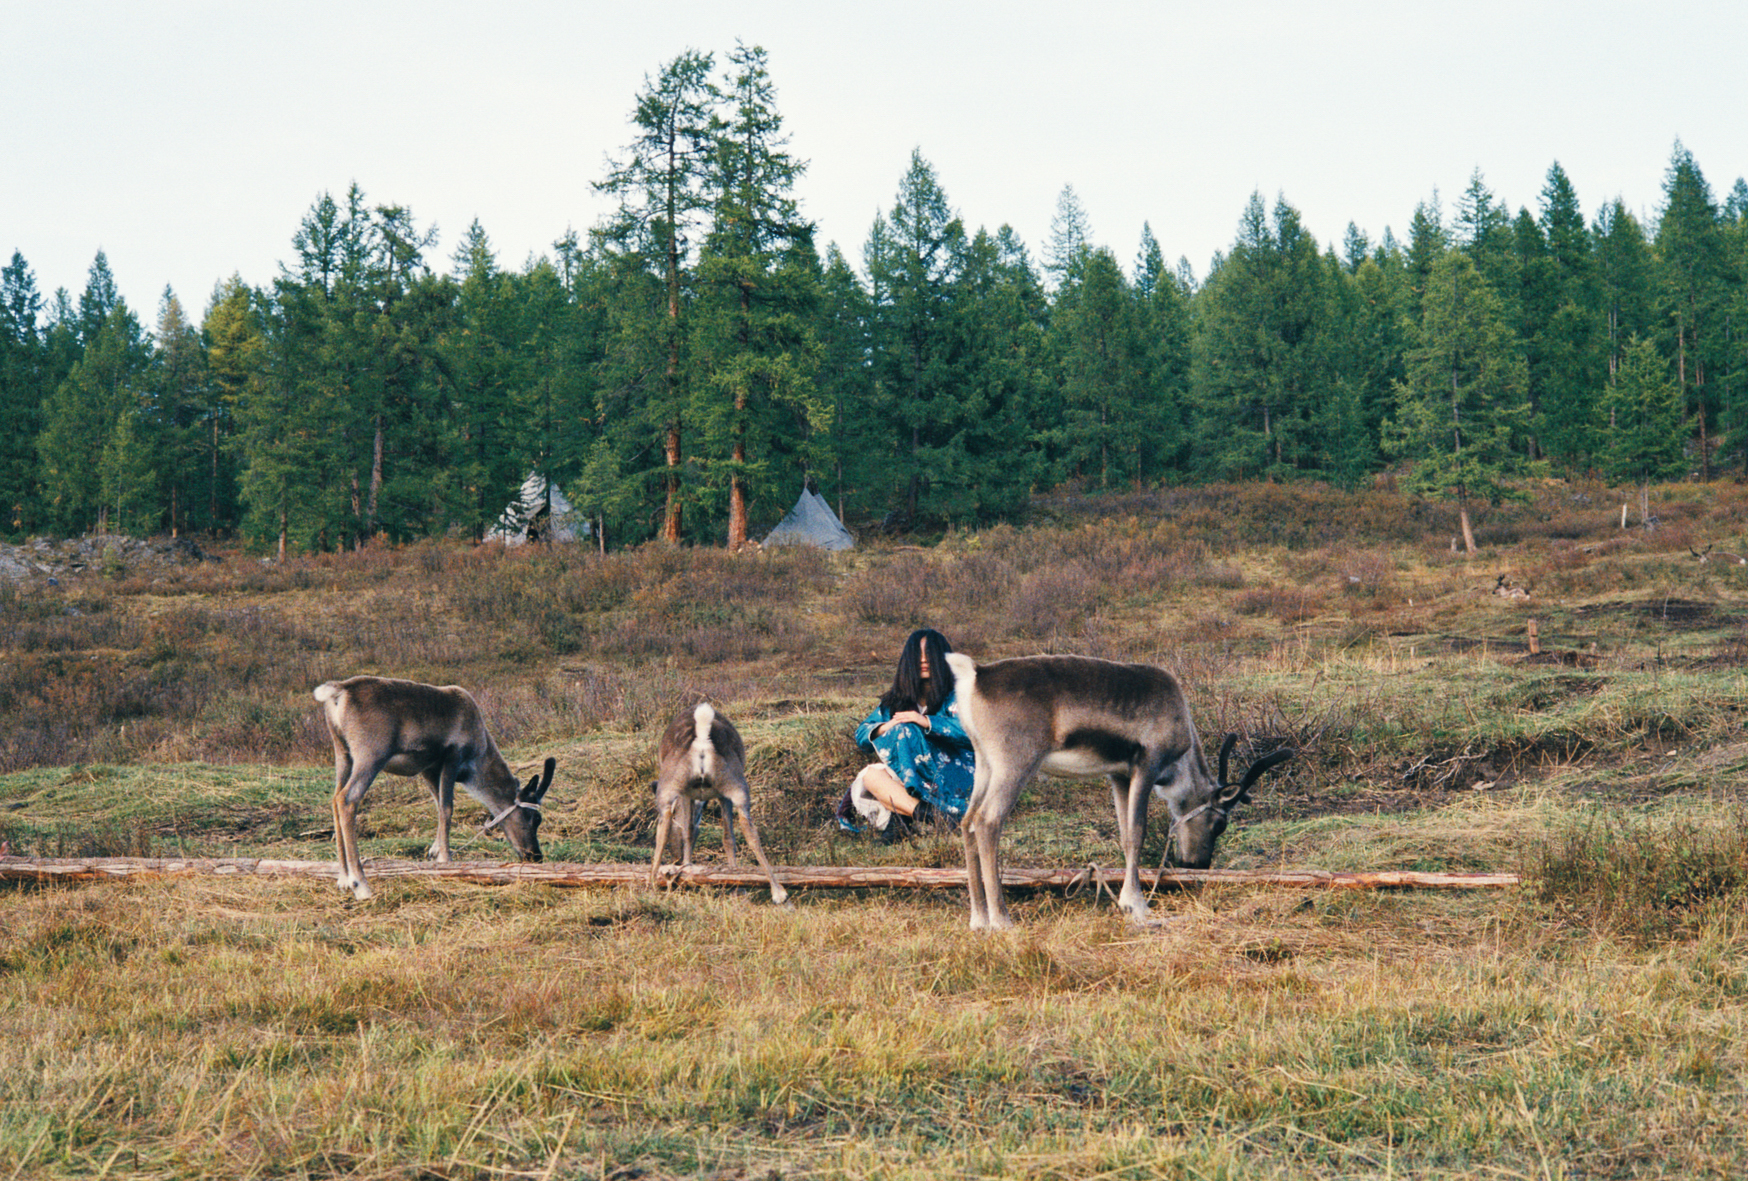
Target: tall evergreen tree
{"x": 1099, "y": 346}
{"x": 1564, "y": 324}
{"x": 660, "y": 184}
{"x": 758, "y": 280}
{"x": 982, "y": 454}
{"x": 179, "y": 416}
{"x": 1070, "y": 239}
{"x": 1693, "y": 291}
{"x": 1261, "y": 368}
{"x": 104, "y": 384}
{"x": 1462, "y": 408}
{"x": 1623, "y": 271}
{"x": 478, "y": 358}
{"x": 911, "y": 259}
{"x": 1643, "y": 439}
{"x": 23, "y": 385}
{"x": 858, "y": 442}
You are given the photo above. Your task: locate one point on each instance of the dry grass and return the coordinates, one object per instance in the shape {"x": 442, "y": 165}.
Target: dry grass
{"x": 1590, "y": 1026}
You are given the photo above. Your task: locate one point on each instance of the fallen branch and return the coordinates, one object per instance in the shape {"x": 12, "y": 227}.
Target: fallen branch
{"x": 492, "y": 873}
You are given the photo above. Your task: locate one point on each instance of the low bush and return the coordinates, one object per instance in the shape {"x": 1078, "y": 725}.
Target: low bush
{"x": 1645, "y": 880}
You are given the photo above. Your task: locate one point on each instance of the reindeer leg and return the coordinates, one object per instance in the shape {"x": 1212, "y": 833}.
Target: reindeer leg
{"x": 689, "y": 827}
{"x": 737, "y": 799}
{"x": 664, "y": 818}
{"x": 988, "y": 838}
{"x": 441, "y": 781}
{"x": 1132, "y": 829}
{"x": 1120, "y": 799}
{"x": 968, "y": 828}
{"x": 728, "y": 828}
{"x": 346, "y": 799}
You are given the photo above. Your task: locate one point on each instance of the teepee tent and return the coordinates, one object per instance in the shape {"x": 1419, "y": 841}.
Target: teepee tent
{"x": 811, "y": 522}
{"x": 540, "y": 512}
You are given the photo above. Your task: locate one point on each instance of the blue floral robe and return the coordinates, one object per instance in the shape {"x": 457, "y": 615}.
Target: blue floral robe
{"x": 934, "y": 764}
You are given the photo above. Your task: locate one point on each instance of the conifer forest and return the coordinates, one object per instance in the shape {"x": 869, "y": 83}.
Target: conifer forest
{"x": 682, "y": 367}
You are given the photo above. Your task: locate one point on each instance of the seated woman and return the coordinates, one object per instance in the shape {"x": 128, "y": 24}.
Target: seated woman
{"x": 926, "y": 765}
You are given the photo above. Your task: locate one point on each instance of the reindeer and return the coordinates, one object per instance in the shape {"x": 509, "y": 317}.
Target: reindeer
{"x": 381, "y": 724}
{"x": 1078, "y": 717}
{"x": 702, "y": 758}
{"x": 1705, "y": 555}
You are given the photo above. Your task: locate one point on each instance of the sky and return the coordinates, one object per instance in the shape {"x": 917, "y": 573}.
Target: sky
{"x": 187, "y": 138}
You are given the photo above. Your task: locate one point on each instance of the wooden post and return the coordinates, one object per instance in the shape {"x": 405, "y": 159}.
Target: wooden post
{"x": 1535, "y": 640}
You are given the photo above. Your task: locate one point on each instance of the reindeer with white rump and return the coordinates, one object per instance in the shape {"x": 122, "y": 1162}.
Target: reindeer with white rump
{"x": 1078, "y": 717}
{"x": 435, "y": 732}
{"x": 702, "y": 758}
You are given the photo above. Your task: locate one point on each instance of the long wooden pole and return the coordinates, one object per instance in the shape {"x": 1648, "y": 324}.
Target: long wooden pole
{"x": 494, "y": 873}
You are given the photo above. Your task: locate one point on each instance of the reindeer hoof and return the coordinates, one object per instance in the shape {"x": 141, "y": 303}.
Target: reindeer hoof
{"x": 779, "y": 896}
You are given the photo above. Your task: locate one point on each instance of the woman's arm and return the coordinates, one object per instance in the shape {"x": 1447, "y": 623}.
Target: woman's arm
{"x": 873, "y": 722}
{"x": 945, "y": 726}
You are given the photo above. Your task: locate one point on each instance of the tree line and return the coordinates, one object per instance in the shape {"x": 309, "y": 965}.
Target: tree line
{"x": 686, "y": 364}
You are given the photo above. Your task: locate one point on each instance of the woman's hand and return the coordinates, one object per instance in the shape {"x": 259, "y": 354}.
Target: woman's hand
{"x": 904, "y": 716}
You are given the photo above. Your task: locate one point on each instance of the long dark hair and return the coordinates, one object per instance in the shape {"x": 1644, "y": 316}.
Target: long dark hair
{"x": 909, "y": 690}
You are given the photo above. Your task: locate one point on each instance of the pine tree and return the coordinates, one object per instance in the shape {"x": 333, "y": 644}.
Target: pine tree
{"x": 179, "y": 418}
{"x": 1097, "y": 334}
{"x": 1261, "y": 361}
{"x": 477, "y": 356}
{"x": 1623, "y": 266}
{"x": 1643, "y": 439}
{"x": 1692, "y": 289}
{"x": 103, "y": 385}
{"x": 911, "y": 259}
{"x": 1564, "y": 324}
{"x": 981, "y": 452}
{"x": 1462, "y": 408}
{"x": 231, "y": 333}
{"x": 23, "y": 376}
{"x": 856, "y": 447}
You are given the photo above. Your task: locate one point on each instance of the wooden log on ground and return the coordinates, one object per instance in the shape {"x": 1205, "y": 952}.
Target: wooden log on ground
{"x": 496, "y": 873}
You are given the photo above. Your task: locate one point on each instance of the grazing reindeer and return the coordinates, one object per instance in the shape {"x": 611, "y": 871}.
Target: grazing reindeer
{"x": 1705, "y": 555}
{"x": 1078, "y": 717}
{"x": 703, "y": 758}
{"x": 380, "y": 724}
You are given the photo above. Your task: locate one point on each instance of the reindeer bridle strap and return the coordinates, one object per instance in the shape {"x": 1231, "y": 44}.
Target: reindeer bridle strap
{"x": 504, "y": 815}
{"x": 1211, "y": 806}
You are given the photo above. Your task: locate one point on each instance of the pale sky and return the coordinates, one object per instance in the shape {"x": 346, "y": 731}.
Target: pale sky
{"x": 187, "y": 138}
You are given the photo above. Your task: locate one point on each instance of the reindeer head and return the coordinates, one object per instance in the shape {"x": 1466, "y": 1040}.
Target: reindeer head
{"x": 521, "y": 821}
{"x": 1200, "y": 810}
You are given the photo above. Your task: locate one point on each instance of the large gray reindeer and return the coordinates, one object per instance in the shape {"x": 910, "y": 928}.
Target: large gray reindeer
{"x": 1078, "y": 717}
{"x": 435, "y": 732}
{"x": 702, "y": 758}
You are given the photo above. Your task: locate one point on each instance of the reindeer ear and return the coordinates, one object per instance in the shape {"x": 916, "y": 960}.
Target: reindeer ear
{"x": 537, "y": 786}
{"x": 1225, "y": 751}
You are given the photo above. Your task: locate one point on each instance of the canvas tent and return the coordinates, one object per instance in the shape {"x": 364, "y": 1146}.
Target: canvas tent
{"x": 532, "y": 517}
{"x": 811, "y": 522}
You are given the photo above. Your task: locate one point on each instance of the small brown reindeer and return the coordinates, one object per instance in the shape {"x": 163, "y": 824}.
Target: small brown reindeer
{"x": 435, "y": 732}
{"x": 702, "y": 758}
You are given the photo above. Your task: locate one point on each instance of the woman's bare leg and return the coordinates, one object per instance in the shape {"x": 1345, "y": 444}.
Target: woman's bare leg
{"x": 884, "y": 786}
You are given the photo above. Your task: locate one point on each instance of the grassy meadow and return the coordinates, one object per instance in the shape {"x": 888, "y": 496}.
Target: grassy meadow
{"x": 1591, "y": 1024}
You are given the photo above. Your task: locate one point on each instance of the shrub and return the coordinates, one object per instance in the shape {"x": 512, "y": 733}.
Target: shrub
{"x": 1644, "y": 880}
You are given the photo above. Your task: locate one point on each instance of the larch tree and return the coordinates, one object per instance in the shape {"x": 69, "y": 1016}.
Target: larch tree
{"x": 758, "y": 295}
{"x": 660, "y": 182}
